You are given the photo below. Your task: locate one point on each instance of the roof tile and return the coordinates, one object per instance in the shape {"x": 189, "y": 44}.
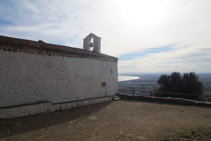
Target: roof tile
{"x": 23, "y": 45}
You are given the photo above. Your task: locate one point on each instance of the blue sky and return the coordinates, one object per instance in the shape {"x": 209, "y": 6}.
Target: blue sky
{"x": 146, "y": 36}
{"x": 144, "y": 53}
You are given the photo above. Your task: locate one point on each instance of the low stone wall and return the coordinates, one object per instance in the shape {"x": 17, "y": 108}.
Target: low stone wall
{"x": 167, "y": 100}
{"x": 46, "y": 106}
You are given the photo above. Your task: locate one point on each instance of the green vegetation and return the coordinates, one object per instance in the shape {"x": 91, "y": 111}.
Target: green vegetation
{"x": 149, "y": 82}
{"x": 175, "y": 83}
{"x": 193, "y": 135}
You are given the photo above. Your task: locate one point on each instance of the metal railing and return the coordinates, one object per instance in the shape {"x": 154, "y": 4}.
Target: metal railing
{"x": 165, "y": 94}
{"x": 134, "y": 92}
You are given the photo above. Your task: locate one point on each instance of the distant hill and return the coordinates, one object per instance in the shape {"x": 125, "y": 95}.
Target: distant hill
{"x": 148, "y": 81}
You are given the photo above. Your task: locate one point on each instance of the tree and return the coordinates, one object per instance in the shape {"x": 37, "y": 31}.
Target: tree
{"x": 175, "y": 83}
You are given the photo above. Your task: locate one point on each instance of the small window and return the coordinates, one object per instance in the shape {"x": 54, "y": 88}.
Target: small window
{"x": 111, "y": 71}
{"x": 103, "y": 84}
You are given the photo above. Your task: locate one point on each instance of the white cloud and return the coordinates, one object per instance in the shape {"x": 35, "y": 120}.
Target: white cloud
{"x": 126, "y": 26}
{"x": 181, "y": 60}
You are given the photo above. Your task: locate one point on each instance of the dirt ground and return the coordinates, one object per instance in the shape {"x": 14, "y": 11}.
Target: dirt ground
{"x": 118, "y": 120}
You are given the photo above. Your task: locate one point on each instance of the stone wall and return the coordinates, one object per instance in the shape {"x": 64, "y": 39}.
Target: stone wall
{"x": 42, "y": 82}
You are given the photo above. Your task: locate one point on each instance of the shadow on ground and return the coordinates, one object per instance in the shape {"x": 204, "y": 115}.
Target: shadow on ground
{"x": 20, "y": 125}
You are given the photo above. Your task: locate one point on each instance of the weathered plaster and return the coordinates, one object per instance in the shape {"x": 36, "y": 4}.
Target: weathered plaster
{"x": 30, "y": 78}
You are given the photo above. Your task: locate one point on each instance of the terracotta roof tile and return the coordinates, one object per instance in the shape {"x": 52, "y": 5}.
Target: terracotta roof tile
{"x": 15, "y": 44}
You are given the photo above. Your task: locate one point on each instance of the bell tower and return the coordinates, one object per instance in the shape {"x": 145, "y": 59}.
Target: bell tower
{"x": 92, "y": 41}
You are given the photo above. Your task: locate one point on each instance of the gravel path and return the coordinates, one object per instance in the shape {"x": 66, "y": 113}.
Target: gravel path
{"x": 117, "y": 120}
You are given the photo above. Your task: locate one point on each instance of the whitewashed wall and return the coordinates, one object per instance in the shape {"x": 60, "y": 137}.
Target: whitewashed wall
{"x": 29, "y": 78}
